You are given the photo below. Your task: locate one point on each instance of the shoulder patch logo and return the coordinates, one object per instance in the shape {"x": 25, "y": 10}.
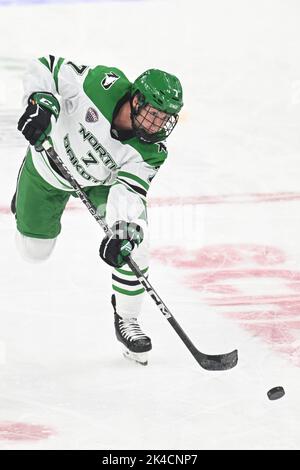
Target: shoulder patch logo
{"x": 109, "y": 79}
{"x": 161, "y": 147}
{"x": 91, "y": 115}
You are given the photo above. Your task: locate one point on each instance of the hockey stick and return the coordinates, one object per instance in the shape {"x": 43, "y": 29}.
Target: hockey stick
{"x": 207, "y": 361}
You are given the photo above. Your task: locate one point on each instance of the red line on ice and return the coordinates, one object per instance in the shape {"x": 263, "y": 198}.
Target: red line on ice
{"x": 225, "y": 199}
{"x": 275, "y": 318}
{"x": 24, "y": 432}
{"x": 245, "y": 198}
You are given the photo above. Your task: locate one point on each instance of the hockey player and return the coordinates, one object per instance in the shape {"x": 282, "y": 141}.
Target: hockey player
{"x": 109, "y": 133}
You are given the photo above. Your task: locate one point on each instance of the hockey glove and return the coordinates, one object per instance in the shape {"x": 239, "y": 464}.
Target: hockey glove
{"x": 35, "y": 123}
{"x": 115, "y": 248}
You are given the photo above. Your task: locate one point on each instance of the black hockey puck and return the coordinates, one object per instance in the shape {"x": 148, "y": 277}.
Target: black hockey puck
{"x": 275, "y": 393}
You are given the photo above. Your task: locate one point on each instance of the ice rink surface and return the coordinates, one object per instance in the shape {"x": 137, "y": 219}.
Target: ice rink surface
{"x": 225, "y": 230}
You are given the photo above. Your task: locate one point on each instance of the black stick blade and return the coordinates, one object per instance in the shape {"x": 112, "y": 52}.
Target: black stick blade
{"x": 218, "y": 361}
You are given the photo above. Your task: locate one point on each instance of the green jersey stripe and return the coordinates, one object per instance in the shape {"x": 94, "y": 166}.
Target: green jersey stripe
{"x": 134, "y": 178}
{"x": 45, "y": 62}
{"x": 128, "y": 292}
{"x": 129, "y": 273}
{"x": 56, "y": 70}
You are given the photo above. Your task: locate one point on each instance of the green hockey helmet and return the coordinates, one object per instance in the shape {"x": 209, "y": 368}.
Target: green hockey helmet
{"x": 161, "y": 91}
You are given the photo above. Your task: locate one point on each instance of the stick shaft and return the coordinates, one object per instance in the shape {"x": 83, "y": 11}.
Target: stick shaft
{"x": 201, "y": 358}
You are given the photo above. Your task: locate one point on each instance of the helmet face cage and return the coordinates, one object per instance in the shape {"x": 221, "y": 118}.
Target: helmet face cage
{"x": 140, "y": 121}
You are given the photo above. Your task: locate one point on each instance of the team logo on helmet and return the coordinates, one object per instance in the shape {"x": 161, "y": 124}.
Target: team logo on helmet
{"x": 91, "y": 115}
{"x": 109, "y": 79}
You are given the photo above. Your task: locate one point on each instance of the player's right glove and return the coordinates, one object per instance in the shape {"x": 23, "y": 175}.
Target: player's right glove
{"x": 35, "y": 123}
{"x": 115, "y": 248}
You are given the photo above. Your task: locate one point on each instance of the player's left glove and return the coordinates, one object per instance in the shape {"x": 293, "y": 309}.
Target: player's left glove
{"x": 115, "y": 248}
{"x": 35, "y": 123}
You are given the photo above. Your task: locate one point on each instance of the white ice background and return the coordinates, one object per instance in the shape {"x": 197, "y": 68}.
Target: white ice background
{"x": 233, "y": 176}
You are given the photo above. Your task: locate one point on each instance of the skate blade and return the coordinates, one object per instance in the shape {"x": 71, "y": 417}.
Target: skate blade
{"x": 139, "y": 358}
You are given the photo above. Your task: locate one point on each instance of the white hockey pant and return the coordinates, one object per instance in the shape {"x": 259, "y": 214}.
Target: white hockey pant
{"x": 34, "y": 250}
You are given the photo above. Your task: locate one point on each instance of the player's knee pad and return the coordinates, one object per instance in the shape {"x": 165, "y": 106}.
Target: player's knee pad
{"x": 34, "y": 249}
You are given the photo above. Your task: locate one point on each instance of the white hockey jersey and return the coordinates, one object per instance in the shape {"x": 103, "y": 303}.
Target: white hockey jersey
{"x": 84, "y": 138}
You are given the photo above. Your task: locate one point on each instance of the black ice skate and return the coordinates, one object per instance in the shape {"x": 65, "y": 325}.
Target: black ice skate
{"x": 135, "y": 343}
